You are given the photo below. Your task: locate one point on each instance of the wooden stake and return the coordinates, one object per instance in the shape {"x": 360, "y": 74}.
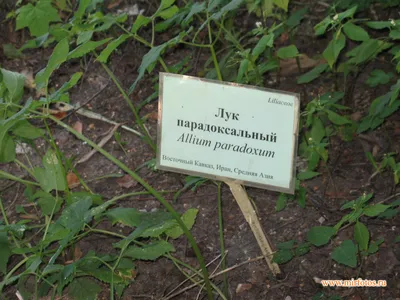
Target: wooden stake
{"x": 251, "y": 217}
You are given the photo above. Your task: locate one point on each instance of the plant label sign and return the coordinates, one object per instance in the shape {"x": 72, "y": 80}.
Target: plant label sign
{"x": 228, "y": 131}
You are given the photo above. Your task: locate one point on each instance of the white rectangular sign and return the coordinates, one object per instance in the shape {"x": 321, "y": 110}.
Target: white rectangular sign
{"x": 222, "y": 130}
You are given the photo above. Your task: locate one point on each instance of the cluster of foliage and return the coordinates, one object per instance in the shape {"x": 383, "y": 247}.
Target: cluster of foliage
{"x": 244, "y": 57}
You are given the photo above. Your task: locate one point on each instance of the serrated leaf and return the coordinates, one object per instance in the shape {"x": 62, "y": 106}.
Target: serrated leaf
{"x": 103, "y": 57}
{"x": 5, "y": 252}
{"x": 83, "y": 288}
{"x": 188, "y": 218}
{"x": 149, "y": 252}
{"x": 264, "y": 42}
{"x": 282, "y": 4}
{"x": 86, "y": 48}
{"x": 313, "y": 74}
{"x": 307, "y": 175}
{"x": 52, "y": 176}
{"x": 281, "y": 202}
{"x": 58, "y": 56}
{"x": 335, "y": 46}
{"x": 14, "y": 83}
{"x": 287, "y": 52}
{"x": 37, "y": 18}
{"x": 320, "y": 235}
{"x": 377, "y": 77}
{"x": 374, "y": 210}
{"x": 84, "y": 37}
{"x": 355, "y": 32}
{"x": 346, "y": 254}
{"x": 337, "y": 119}
{"x": 361, "y": 235}
{"x": 282, "y": 256}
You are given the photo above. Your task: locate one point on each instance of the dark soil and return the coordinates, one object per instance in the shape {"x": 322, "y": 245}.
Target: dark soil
{"x": 343, "y": 178}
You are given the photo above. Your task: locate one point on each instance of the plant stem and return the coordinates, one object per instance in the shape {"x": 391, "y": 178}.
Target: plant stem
{"x": 15, "y": 178}
{"x": 153, "y": 192}
{"x": 221, "y": 238}
{"x": 132, "y": 107}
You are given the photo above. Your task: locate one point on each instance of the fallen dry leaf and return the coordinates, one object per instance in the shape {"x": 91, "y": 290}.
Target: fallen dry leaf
{"x": 78, "y": 126}
{"x": 356, "y": 116}
{"x": 114, "y": 4}
{"x": 242, "y": 287}
{"x": 77, "y": 253}
{"x": 289, "y": 66}
{"x": 152, "y": 116}
{"x": 72, "y": 180}
{"x": 29, "y": 80}
{"x": 126, "y": 182}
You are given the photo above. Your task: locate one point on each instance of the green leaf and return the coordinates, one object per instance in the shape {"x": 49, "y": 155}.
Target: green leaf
{"x": 86, "y": 48}
{"x": 82, "y": 288}
{"x": 320, "y": 235}
{"x": 151, "y": 57}
{"x": 397, "y": 239}
{"x": 14, "y": 83}
{"x": 336, "y": 45}
{"x": 56, "y": 59}
{"x": 374, "y": 210}
{"x": 281, "y": 202}
{"x": 286, "y": 245}
{"x": 374, "y": 246}
{"x": 37, "y": 18}
{"x": 337, "y": 119}
{"x": 196, "y": 8}
{"x": 5, "y": 252}
{"x": 83, "y": 5}
{"x": 84, "y": 37}
{"x": 282, "y": 4}
{"x": 282, "y": 256}
{"x": 321, "y": 27}
{"x": 287, "y": 52}
{"x": 361, "y": 235}
{"x": 354, "y": 32}
{"x": 302, "y": 249}
{"x": 52, "y": 177}
{"x": 317, "y": 130}
{"x": 127, "y": 216}
{"x": 26, "y": 130}
{"x": 168, "y": 13}
{"x": 379, "y": 24}
{"x": 149, "y": 252}
{"x": 11, "y": 52}
{"x": 377, "y": 77}
{"x": 244, "y": 64}
{"x": 265, "y": 41}
{"x": 188, "y": 218}
{"x": 395, "y": 34}
{"x": 307, "y": 175}
{"x": 347, "y": 14}
{"x": 368, "y": 50}
{"x": 111, "y": 47}
{"x": 296, "y": 17}
{"x": 313, "y": 74}
{"x": 346, "y": 254}
{"x": 232, "y": 5}
{"x": 48, "y": 203}
{"x": 57, "y": 95}
{"x": 140, "y": 22}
